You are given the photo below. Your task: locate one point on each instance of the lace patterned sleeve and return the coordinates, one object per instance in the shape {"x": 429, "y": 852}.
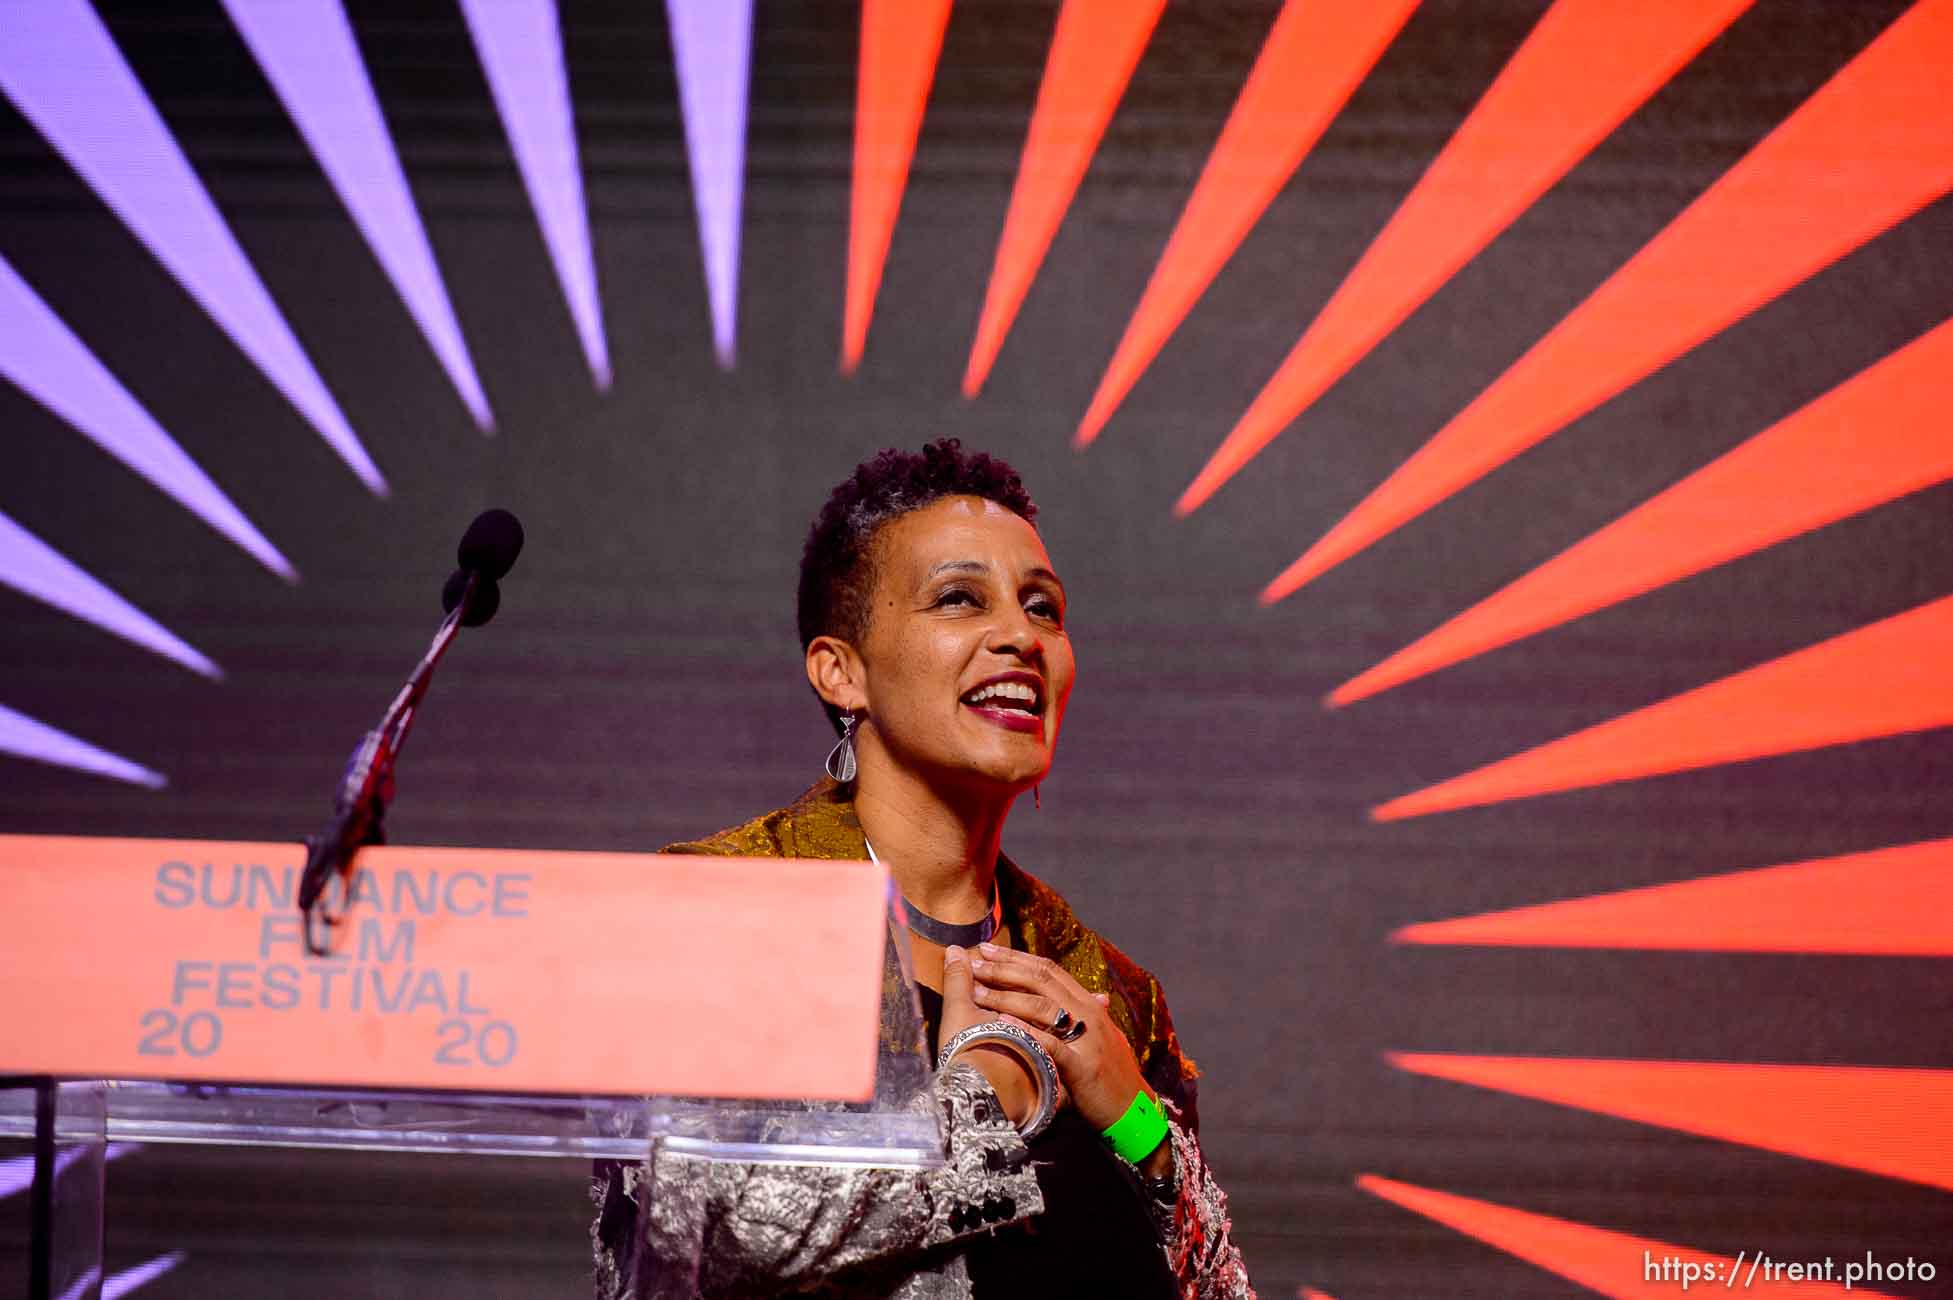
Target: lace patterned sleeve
{"x": 1199, "y": 1238}
{"x": 680, "y": 1227}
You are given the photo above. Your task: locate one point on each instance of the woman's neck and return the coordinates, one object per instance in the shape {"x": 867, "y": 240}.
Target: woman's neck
{"x": 941, "y": 846}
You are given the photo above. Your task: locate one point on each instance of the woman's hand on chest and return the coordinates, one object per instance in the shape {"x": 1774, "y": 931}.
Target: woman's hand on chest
{"x": 1097, "y": 1066}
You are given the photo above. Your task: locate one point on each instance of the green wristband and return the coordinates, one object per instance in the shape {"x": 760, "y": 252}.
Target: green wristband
{"x": 1137, "y": 1133}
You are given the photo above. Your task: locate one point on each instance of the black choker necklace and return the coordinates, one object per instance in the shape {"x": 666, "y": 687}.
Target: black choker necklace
{"x": 945, "y": 934}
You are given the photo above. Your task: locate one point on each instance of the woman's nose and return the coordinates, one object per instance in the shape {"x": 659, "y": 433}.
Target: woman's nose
{"x": 1015, "y": 632}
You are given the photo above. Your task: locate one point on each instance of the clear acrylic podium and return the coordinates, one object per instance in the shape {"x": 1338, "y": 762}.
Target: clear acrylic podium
{"x": 70, "y": 1122}
{"x": 79, "y": 1118}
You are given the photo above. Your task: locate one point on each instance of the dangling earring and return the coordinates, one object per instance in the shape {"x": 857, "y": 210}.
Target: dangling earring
{"x": 840, "y": 759}
{"x": 1037, "y": 800}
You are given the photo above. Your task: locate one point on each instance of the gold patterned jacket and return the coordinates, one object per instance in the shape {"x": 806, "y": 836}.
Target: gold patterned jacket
{"x": 680, "y": 1227}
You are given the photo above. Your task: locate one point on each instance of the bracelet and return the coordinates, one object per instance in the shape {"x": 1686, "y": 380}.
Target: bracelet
{"x": 1165, "y": 1189}
{"x": 1137, "y": 1133}
{"x": 1035, "y": 1058}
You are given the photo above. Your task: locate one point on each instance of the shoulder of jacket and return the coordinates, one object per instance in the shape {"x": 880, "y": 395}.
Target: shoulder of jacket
{"x": 757, "y": 838}
{"x": 819, "y": 824}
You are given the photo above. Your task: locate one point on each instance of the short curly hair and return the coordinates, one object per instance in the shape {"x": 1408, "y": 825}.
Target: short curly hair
{"x": 837, "y": 568}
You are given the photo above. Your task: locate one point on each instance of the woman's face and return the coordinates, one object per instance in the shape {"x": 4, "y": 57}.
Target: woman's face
{"x": 966, "y": 665}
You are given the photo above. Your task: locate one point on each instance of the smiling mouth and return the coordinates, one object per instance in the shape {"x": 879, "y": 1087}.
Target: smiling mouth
{"x": 1015, "y": 705}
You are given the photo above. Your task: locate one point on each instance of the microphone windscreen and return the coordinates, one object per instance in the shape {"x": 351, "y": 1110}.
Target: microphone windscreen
{"x": 481, "y": 606}
{"x": 491, "y": 544}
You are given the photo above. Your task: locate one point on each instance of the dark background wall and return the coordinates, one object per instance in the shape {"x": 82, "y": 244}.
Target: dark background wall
{"x": 641, "y": 682}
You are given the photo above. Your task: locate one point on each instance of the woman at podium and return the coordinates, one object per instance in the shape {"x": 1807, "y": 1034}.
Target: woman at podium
{"x": 934, "y": 633}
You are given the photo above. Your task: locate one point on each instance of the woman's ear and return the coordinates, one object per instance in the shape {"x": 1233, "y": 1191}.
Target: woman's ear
{"x": 835, "y": 669}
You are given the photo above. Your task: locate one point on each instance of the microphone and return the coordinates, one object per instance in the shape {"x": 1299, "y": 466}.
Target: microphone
{"x": 491, "y": 544}
{"x": 469, "y": 598}
{"x": 484, "y": 597}
{"x": 487, "y": 552}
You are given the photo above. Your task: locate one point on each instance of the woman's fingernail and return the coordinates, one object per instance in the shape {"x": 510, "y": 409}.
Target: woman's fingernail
{"x": 952, "y": 954}
{"x": 989, "y": 947}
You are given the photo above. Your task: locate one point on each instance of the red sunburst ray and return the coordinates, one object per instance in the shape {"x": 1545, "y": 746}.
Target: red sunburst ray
{"x": 1870, "y": 148}
{"x": 1093, "y": 54}
{"x": 1584, "y": 68}
{"x": 1315, "y": 56}
{"x": 1870, "y": 440}
{"x": 1885, "y": 1121}
{"x": 1887, "y": 902}
{"x": 900, "y": 43}
{"x": 1883, "y": 679}
{"x": 1612, "y": 1263}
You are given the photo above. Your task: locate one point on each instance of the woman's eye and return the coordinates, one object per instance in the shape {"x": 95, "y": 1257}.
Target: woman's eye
{"x": 1046, "y": 608}
{"x": 956, "y": 596}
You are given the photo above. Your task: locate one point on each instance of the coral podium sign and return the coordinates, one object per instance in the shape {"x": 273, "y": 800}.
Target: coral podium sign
{"x": 473, "y": 969}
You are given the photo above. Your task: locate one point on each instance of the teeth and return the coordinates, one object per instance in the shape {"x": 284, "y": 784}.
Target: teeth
{"x": 1004, "y": 691}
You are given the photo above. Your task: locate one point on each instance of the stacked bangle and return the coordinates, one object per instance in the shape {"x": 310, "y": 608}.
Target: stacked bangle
{"x": 1137, "y": 1133}
{"x": 1035, "y": 1059}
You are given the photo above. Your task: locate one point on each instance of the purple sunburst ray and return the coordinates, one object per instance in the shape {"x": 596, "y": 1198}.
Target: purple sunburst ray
{"x": 520, "y": 44}
{"x": 62, "y": 70}
{"x": 17, "y": 1172}
{"x": 120, "y": 1284}
{"x": 712, "y": 43}
{"x": 33, "y": 568}
{"x": 30, "y": 739}
{"x": 43, "y": 357}
{"x": 307, "y": 51}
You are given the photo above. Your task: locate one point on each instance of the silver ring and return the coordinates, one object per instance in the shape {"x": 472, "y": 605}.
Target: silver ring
{"x": 1067, "y": 1027}
{"x": 1030, "y": 1049}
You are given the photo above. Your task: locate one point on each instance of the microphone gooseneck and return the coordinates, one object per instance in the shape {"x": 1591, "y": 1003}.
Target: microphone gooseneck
{"x": 469, "y": 598}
